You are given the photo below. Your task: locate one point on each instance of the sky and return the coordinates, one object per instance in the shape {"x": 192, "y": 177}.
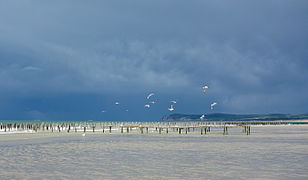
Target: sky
{"x": 70, "y": 59}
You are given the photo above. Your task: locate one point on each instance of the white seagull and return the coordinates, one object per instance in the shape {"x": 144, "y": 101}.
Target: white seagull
{"x": 104, "y": 111}
{"x": 202, "y": 117}
{"x": 213, "y": 104}
{"x": 204, "y": 88}
{"x": 174, "y": 101}
{"x": 150, "y": 95}
{"x": 171, "y": 108}
{"x": 117, "y": 103}
{"x": 147, "y": 106}
{"x": 153, "y": 102}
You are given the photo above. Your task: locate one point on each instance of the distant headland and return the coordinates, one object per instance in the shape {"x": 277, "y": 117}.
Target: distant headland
{"x": 234, "y": 117}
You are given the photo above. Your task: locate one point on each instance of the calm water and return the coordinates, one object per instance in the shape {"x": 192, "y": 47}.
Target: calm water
{"x": 268, "y": 153}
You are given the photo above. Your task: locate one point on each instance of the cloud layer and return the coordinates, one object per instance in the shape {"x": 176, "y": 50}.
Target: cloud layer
{"x": 252, "y": 55}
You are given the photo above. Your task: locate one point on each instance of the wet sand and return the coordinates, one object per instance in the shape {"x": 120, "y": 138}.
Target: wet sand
{"x": 270, "y": 152}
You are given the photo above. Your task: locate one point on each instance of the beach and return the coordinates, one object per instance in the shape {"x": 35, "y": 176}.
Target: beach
{"x": 269, "y": 152}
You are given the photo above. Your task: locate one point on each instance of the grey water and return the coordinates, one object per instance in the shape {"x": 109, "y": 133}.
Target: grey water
{"x": 270, "y": 152}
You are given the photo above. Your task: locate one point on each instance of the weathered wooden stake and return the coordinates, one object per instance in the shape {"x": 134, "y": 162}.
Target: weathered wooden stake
{"x": 141, "y": 130}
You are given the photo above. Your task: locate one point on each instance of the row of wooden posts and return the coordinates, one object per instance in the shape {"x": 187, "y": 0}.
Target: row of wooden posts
{"x": 123, "y": 127}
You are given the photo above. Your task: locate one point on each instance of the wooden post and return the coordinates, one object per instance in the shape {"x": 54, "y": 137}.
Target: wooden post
{"x": 110, "y": 129}
{"x": 141, "y": 130}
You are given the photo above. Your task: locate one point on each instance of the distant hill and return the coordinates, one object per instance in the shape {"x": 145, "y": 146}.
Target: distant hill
{"x": 234, "y": 117}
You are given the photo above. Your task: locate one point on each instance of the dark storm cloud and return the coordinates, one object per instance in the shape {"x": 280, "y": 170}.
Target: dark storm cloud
{"x": 252, "y": 54}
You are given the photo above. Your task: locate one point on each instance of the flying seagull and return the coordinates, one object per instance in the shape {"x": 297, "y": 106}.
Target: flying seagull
{"x": 202, "y": 117}
{"x": 213, "y": 104}
{"x": 117, "y": 103}
{"x": 150, "y": 95}
{"x": 153, "y": 102}
{"x": 147, "y": 106}
{"x": 171, "y": 108}
{"x": 204, "y": 88}
{"x": 174, "y": 101}
{"x": 104, "y": 111}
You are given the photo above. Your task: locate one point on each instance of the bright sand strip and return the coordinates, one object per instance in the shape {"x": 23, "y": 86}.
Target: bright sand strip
{"x": 30, "y": 134}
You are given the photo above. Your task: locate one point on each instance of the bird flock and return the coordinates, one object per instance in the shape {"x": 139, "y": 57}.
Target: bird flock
{"x": 151, "y": 101}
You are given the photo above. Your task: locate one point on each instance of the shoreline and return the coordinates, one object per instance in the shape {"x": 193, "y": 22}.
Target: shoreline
{"x": 215, "y": 132}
